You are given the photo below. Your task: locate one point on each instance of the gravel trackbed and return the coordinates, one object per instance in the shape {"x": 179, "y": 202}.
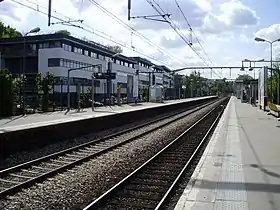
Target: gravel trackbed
{"x": 75, "y": 188}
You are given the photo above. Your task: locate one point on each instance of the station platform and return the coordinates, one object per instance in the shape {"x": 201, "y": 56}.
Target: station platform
{"x": 52, "y": 118}
{"x": 240, "y": 167}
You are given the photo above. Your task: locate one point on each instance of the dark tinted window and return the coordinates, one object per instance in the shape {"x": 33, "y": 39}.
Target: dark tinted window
{"x": 53, "y": 62}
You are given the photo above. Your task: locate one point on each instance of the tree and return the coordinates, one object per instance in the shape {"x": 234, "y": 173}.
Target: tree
{"x": 65, "y": 32}
{"x": 8, "y": 32}
{"x": 115, "y": 48}
{"x": 274, "y": 79}
{"x": 244, "y": 77}
{"x": 45, "y": 85}
{"x": 6, "y": 93}
{"x": 18, "y": 84}
{"x": 140, "y": 89}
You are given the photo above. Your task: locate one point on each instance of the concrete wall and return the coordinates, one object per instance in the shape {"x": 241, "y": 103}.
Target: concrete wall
{"x": 120, "y": 70}
{"x": 20, "y": 140}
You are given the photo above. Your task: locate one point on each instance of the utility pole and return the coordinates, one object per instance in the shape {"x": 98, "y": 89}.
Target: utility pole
{"x": 68, "y": 80}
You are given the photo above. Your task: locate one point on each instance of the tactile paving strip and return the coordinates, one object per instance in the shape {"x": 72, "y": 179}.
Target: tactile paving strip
{"x": 231, "y": 205}
{"x": 231, "y": 192}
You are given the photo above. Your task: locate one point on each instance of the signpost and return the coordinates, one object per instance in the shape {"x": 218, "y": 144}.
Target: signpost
{"x": 83, "y": 68}
{"x": 105, "y": 75}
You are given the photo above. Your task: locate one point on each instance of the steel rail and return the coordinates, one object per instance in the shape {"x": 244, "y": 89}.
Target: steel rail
{"x": 110, "y": 193}
{"x": 13, "y": 187}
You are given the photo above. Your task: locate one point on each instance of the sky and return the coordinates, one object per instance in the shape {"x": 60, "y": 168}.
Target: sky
{"x": 225, "y": 29}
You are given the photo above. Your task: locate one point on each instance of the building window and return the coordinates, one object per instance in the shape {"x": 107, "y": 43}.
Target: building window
{"x": 101, "y": 57}
{"x": 66, "y": 47}
{"x": 54, "y": 62}
{"x": 94, "y": 55}
{"x": 61, "y": 62}
{"x": 86, "y": 53}
{"x": 43, "y": 45}
{"x": 32, "y": 47}
{"x": 118, "y": 62}
{"x": 78, "y": 50}
{"x": 57, "y": 44}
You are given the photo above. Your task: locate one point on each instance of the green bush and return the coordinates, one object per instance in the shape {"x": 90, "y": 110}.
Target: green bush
{"x": 6, "y": 93}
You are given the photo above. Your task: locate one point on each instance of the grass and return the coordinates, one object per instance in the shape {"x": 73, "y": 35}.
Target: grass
{"x": 273, "y": 107}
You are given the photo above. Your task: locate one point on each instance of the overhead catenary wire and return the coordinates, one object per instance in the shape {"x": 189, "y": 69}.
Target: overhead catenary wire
{"x": 170, "y": 22}
{"x": 92, "y": 32}
{"x": 174, "y": 27}
{"x": 198, "y": 41}
{"x": 159, "y": 10}
{"x": 135, "y": 32}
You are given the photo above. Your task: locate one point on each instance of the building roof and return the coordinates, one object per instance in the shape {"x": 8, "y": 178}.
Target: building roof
{"x": 143, "y": 60}
{"x": 166, "y": 68}
{"x": 55, "y": 37}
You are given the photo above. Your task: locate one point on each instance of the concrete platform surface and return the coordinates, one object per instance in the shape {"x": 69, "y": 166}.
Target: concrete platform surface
{"x": 37, "y": 120}
{"x": 240, "y": 168}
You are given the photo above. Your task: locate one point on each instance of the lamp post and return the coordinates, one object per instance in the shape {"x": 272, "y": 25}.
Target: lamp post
{"x": 34, "y": 30}
{"x": 252, "y": 61}
{"x": 109, "y": 69}
{"x": 149, "y": 86}
{"x": 258, "y": 39}
{"x": 68, "y": 82}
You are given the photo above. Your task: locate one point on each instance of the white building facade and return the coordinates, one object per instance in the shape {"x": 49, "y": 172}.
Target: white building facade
{"x": 71, "y": 53}
{"x": 57, "y": 53}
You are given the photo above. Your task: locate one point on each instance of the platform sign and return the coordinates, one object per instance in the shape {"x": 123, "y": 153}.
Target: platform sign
{"x": 105, "y": 75}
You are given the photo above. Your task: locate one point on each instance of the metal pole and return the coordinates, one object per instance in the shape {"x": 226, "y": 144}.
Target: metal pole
{"x": 92, "y": 93}
{"x": 68, "y": 90}
{"x": 278, "y": 91}
{"x": 53, "y": 95}
{"x": 23, "y": 72}
{"x": 271, "y": 92}
{"x": 61, "y": 94}
{"x": 191, "y": 90}
{"x": 179, "y": 91}
{"x": 49, "y": 12}
{"x": 148, "y": 97}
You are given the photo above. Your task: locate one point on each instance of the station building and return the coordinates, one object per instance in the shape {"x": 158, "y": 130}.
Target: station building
{"x": 58, "y": 53}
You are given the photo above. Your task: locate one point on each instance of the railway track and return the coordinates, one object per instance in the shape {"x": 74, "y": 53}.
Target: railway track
{"x": 151, "y": 185}
{"x": 27, "y": 174}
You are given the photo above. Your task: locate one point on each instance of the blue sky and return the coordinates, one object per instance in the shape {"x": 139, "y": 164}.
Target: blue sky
{"x": 226, "y": 28}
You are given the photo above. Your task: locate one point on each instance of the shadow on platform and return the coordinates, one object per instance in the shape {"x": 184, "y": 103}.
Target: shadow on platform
{"x": 238, "y": 186}
{"x": 12, "y": 119}
{"x": 270, "y": 173}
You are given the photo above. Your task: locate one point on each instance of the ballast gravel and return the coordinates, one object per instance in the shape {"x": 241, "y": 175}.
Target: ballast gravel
{"x": 25, "y": 156}
{"x": 77, "y": 187}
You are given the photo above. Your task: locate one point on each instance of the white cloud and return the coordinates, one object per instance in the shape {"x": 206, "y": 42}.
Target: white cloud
{"x": 217, "y": 24}
{"x": 270, "y": 33}
{"x": 233, "y": 15}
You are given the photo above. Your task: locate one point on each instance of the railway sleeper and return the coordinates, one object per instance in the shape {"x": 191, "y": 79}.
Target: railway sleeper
{"x": 149, "y": 182}
{"x": 158, "y": 177}
{"x": 140, "y": 195}
{"x": 161, "y": 172}
{"x": 134, "y": 203}
{"x": 162, "y": 168}
{"x": 20, "y": 176}
{"x": 75, "y": 156}
{"x": 147, "y": 188}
